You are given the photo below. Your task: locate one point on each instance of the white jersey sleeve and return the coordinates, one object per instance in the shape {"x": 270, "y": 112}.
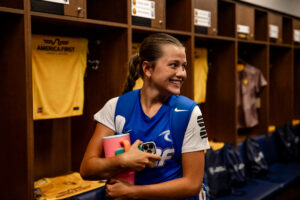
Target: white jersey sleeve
{"x": 106, "y": 115}
{"x": 195, "y": 138}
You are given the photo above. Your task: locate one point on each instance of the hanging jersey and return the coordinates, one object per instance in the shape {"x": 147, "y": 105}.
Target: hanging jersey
{"x": 58, "y": 67}
{"x": 200, "y": 74}
{"x": 249, "y": 85}
{"x": 156, "y": 129}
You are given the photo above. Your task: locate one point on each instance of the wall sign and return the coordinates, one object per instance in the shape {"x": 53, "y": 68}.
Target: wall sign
{"x": 296, "y": 35}
{"x": 59, "y": 1}
{"x": 273, "y": 31}
{"x": 143, "y": 8}
{"x": 243, "y": 29}
{"x": 202, "y": 18}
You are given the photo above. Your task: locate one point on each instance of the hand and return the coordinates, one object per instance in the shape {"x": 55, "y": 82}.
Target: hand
{"x": 117, "y": 189}
{"x": 136, "y": 160}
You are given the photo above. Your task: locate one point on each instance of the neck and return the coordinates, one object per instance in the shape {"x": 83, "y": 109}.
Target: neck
{"x": 151, "y": 100}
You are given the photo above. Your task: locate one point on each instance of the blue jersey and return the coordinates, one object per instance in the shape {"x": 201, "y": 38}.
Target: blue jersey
{"x": 157, "y": 130}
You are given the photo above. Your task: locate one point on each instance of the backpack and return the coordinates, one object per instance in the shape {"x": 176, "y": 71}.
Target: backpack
{"x": 234, "y": 165}
{"x": 288, "y": 143}
{"x": 216, "y": 174}
{"x": 256, "y": 164}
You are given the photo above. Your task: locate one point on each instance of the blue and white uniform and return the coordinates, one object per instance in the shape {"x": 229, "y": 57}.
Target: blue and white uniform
{"x": 156, "y": 129}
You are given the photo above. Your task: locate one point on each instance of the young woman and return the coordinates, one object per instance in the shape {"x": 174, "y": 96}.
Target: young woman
{"x": 161, "y": 63}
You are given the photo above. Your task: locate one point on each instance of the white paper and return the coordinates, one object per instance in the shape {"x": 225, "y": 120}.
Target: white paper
{"x": 143, "y": 8}
{"x": 296, "y": 35}
{"x": 243, "y": 29}
{"x": 273, "y": 31}
{"x": 59, "y": 1}
{"x": 202, "y": 18}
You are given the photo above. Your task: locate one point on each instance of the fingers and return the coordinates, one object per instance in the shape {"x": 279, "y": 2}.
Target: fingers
{"x": 153, "y": 157}
{"x": 137, "y": 143}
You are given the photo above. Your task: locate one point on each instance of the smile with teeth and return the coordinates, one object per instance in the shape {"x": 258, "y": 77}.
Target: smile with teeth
{"x": 176, "y": 82}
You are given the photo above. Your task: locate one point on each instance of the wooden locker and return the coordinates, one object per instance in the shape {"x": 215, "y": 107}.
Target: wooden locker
{"x": 245, "y": 22}
{"x": 275, "y": 20}
{"x": 160, "y": 15}
{"x": 211, "y": 6}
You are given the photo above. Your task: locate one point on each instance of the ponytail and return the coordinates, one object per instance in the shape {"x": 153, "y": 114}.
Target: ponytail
{"x": 135, "y": 71}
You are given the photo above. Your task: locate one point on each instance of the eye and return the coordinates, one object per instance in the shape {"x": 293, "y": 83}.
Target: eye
{"x": 174, "y": 65}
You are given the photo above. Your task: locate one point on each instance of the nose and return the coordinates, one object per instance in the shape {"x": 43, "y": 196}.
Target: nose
{"x": 181, "y": 72}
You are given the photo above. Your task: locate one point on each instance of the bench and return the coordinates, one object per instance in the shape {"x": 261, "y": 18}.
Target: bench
{"x": 280, "y": 176}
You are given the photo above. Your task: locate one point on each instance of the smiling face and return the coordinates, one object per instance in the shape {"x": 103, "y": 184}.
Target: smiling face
{"x": 168, "y": 74}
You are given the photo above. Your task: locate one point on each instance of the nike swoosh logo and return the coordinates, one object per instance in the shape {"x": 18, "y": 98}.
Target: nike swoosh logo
{"x": 178, "y": 110}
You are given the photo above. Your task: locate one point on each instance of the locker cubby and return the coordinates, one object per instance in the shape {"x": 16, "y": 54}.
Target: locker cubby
{"x": 160, "y": 16}
{"x": 245, "y": 19}
{"x": 19, "y": 4}
{"x": 212, "y": 7}
{"x": 261, "y": 22}
{"x": 114, "y": 11}
{"x": 281, "y": 85}
{"x": 220, "y": 120}
{"x": 297, "y": 84}
{"x": 257, "y": 56}
{"x": 275, "y": 20}
{"x": 287, "y": 30}
{"x": 60, "y": 143}
{"x": 226, "y": 19}
{"x": 178, "y": 15}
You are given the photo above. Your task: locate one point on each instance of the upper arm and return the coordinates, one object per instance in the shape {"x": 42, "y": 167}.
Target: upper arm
{"x": 95, "y": 146}
{"x": 193, "y": 168}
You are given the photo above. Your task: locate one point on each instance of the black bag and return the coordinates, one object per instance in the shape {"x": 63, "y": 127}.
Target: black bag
{"x": 291, "y": 131}
{"x": 234, "y": 165}
{"x": 216, "y": 174}
{"x": 287, "y": 143}
{"x": 256, "y": 164}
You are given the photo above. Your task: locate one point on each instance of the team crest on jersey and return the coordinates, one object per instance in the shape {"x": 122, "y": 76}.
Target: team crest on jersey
{"x": 166, "y": 135}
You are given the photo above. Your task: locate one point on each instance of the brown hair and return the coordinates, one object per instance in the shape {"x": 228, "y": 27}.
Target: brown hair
{"x": 150, "y": 50}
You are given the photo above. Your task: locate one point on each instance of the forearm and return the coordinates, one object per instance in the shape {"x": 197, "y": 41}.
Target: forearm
{"x": 175, "y": 189}
{"x": 96, "y": 168}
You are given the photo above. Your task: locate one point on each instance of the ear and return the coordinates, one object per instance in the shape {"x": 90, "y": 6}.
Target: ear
{"x": 147, "y": 69}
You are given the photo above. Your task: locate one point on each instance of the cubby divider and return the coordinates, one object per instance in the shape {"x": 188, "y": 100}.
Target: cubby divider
{"x": 297, "y": 83}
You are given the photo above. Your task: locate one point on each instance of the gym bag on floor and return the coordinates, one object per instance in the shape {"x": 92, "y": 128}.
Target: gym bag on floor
{"x": 234, "y": 165}
{"x": 256, "y": 164}
{"x": 216, "y": 174}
